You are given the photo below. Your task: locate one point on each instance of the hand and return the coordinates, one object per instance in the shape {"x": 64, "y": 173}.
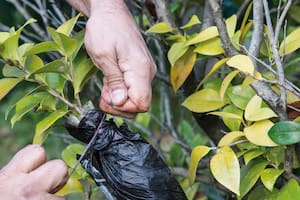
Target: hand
{"x": 29, "y": 176}
{"x": 116, "y": 46}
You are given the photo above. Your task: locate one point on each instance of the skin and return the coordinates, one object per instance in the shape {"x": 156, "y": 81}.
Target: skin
{"x": 28, "y": 176}
{"x": 117, "y": 48}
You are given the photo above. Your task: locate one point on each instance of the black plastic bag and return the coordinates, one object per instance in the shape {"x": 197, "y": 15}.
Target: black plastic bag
{"x": 126, "y": 164}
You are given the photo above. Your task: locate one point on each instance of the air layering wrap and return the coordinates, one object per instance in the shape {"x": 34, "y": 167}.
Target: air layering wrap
{"x": 124, "y": 162}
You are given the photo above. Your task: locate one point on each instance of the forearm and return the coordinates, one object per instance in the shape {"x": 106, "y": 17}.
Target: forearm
{"x": 89, "y": 6}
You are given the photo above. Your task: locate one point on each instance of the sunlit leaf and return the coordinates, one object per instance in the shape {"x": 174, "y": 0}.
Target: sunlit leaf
{"x": 291, "y": 43}
{"x": 226, "y": 82}
{"x": 269, "y": 177}
{"x": 226, "y": 169}
{"x": 84, "y": 69}
{"x": 177, "y": 50}
{"x": 250, "y": 173}
{"x": 45, "y": 124}
{"x": 210, "y": 47}
{"x": 203, "y": 101}
{"x": 66, "y": 44}
{"x": 254, "y": 111}
{"x": 242, "y": 63}
{"x": 258, "y": 133}
{"x": 227, "y": 115}
{"x": 193, "y": 21}
{"x": 197, "y": 154}
{"x": 42, "y": 48}
{"x": 253, "y": 153}
{"x": 290, "y": 191}
{"x": 285, "y": 132}
{"x": 206, "y": 34}
{"x": 3, "y": 36}
{"x": 233, "y": 124}
{"x": 67, "y": 27}
{"x": 23, "y": 106}
{"x": 230, "y": 138}
{"x": 231, "y": 25}
{"x": 213, "y": 70}
{"x": 7, "y": 84}
{"x": 160, "y": 28}
{"x": 246, "y": 16}
{"x": 33, "y": 63}
{"x": 72, "y": 186}
{"x": 240, "y": 96}
{"x": 182, "y": 68}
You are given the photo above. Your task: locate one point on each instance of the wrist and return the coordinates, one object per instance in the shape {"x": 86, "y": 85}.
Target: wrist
{"x": 104, "y": 6}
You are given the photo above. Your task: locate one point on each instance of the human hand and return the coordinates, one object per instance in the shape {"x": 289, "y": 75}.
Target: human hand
{"x": 29, "y": 176}
{"x": 116, "y": 46}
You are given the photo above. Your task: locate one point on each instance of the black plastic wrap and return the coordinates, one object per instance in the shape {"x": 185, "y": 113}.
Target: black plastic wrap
{"x": 124, "y": 162}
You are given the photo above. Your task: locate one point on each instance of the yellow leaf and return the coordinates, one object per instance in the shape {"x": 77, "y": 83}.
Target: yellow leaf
{"x": 72, "y": 186}
{"x": 160, "y": 28}
{"x": 226, "y": 82}
{"x": 182, "y": 68}
{"x": 258, "y": 133}
{"x": 231, "y": 25}
{"x": 230, "y": 138}
{"x": 226, "y": 115}
{"x": 67, "y": 27}
{"x": 176, "y": 51}
{"x": 193, "y": 21}
{"x": 254, "y": 111}
{"x": 204, "y": 101}
{"x": 291, "y": 43}
{"x": 212, "y": 31}
{"x": 210, "y": 47}
{"x": 236, "y": 39}
{"x": 7, "y": 84}
{"x": 213, "y": 70}
{"x": 206, "y": 34}
{"x": 242, "y": 63}
{"x": 226, "y": 169}
{"x": 245, "y": 32}
{"x": 197, "y": 154}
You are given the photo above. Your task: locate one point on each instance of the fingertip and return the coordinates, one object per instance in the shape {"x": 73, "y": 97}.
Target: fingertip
{"x": 118, "y": 96}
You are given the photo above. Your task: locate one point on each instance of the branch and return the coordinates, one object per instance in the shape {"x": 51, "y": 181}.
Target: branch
{"x": 274, "y": 44}
{"x": 258, "y": 25}
{"x": 163, "y": 12}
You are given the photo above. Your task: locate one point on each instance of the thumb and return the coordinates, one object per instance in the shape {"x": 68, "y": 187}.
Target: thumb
{"x": 114, "y": 83}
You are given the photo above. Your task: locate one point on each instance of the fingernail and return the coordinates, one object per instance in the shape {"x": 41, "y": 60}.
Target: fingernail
{"x": 117, "y": 96}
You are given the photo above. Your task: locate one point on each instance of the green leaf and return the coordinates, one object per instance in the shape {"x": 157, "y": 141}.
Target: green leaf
{"x": 72, "y": 186}
{"x": 250, "y": 173}
{"x": 291, "y": 43}
{"x": 177, "y": 50}
{"x": 67, "y": 27}
{"x": 211, "y": 47}
{"x": 251, "y": 154}
{"x": 84, "y": 69}
{"x": 213, "y": 70}
{"x": 12, "y": 72}
{"x": 45, "y": 124}
{"x": 233, "y": 124}
{"x": 182, "y": 68}
{"x": 56, "y": 66}
{"x": 260, "y": 192}
{"x": 254, "y": 111}
{"x": 231, "y": 25}
{"x": 226, "y": 82}
{"x": 66, "y": 44}
{"x": 3, "y": 36}
{"x": 33, "y": 63}
{"x": 285, "y": 132}
{"x": 227, "y": 115}
{"x": 269, "y": 177}
{"x": 230, "y": 138}
{"x": 242, "y": 63}
{"x": 193, "y": 21}
{"x": 205, "y": 100}
{"x": 257, "y": 133}
{"x": 240, "y": 96}
{"x": 70, "y": 153}
{"x": 226, "y": 169}
{"x": 160, "y": 28}
{"x": 7, "y": 84}
{"x": 42, "y": 48}
{"x": 48, "y": 103}
{"x": 290, "y": 191}
{"x": 55, "y": 81}
{"x": 23, "y": 106}
{"x": 197, "y": 154}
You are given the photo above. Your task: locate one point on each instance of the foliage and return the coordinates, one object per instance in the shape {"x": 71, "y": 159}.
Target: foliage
{"x": 253, "y": 132}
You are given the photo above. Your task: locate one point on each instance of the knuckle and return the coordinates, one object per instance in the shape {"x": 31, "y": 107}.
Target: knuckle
{"x": 61, "y": 167}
